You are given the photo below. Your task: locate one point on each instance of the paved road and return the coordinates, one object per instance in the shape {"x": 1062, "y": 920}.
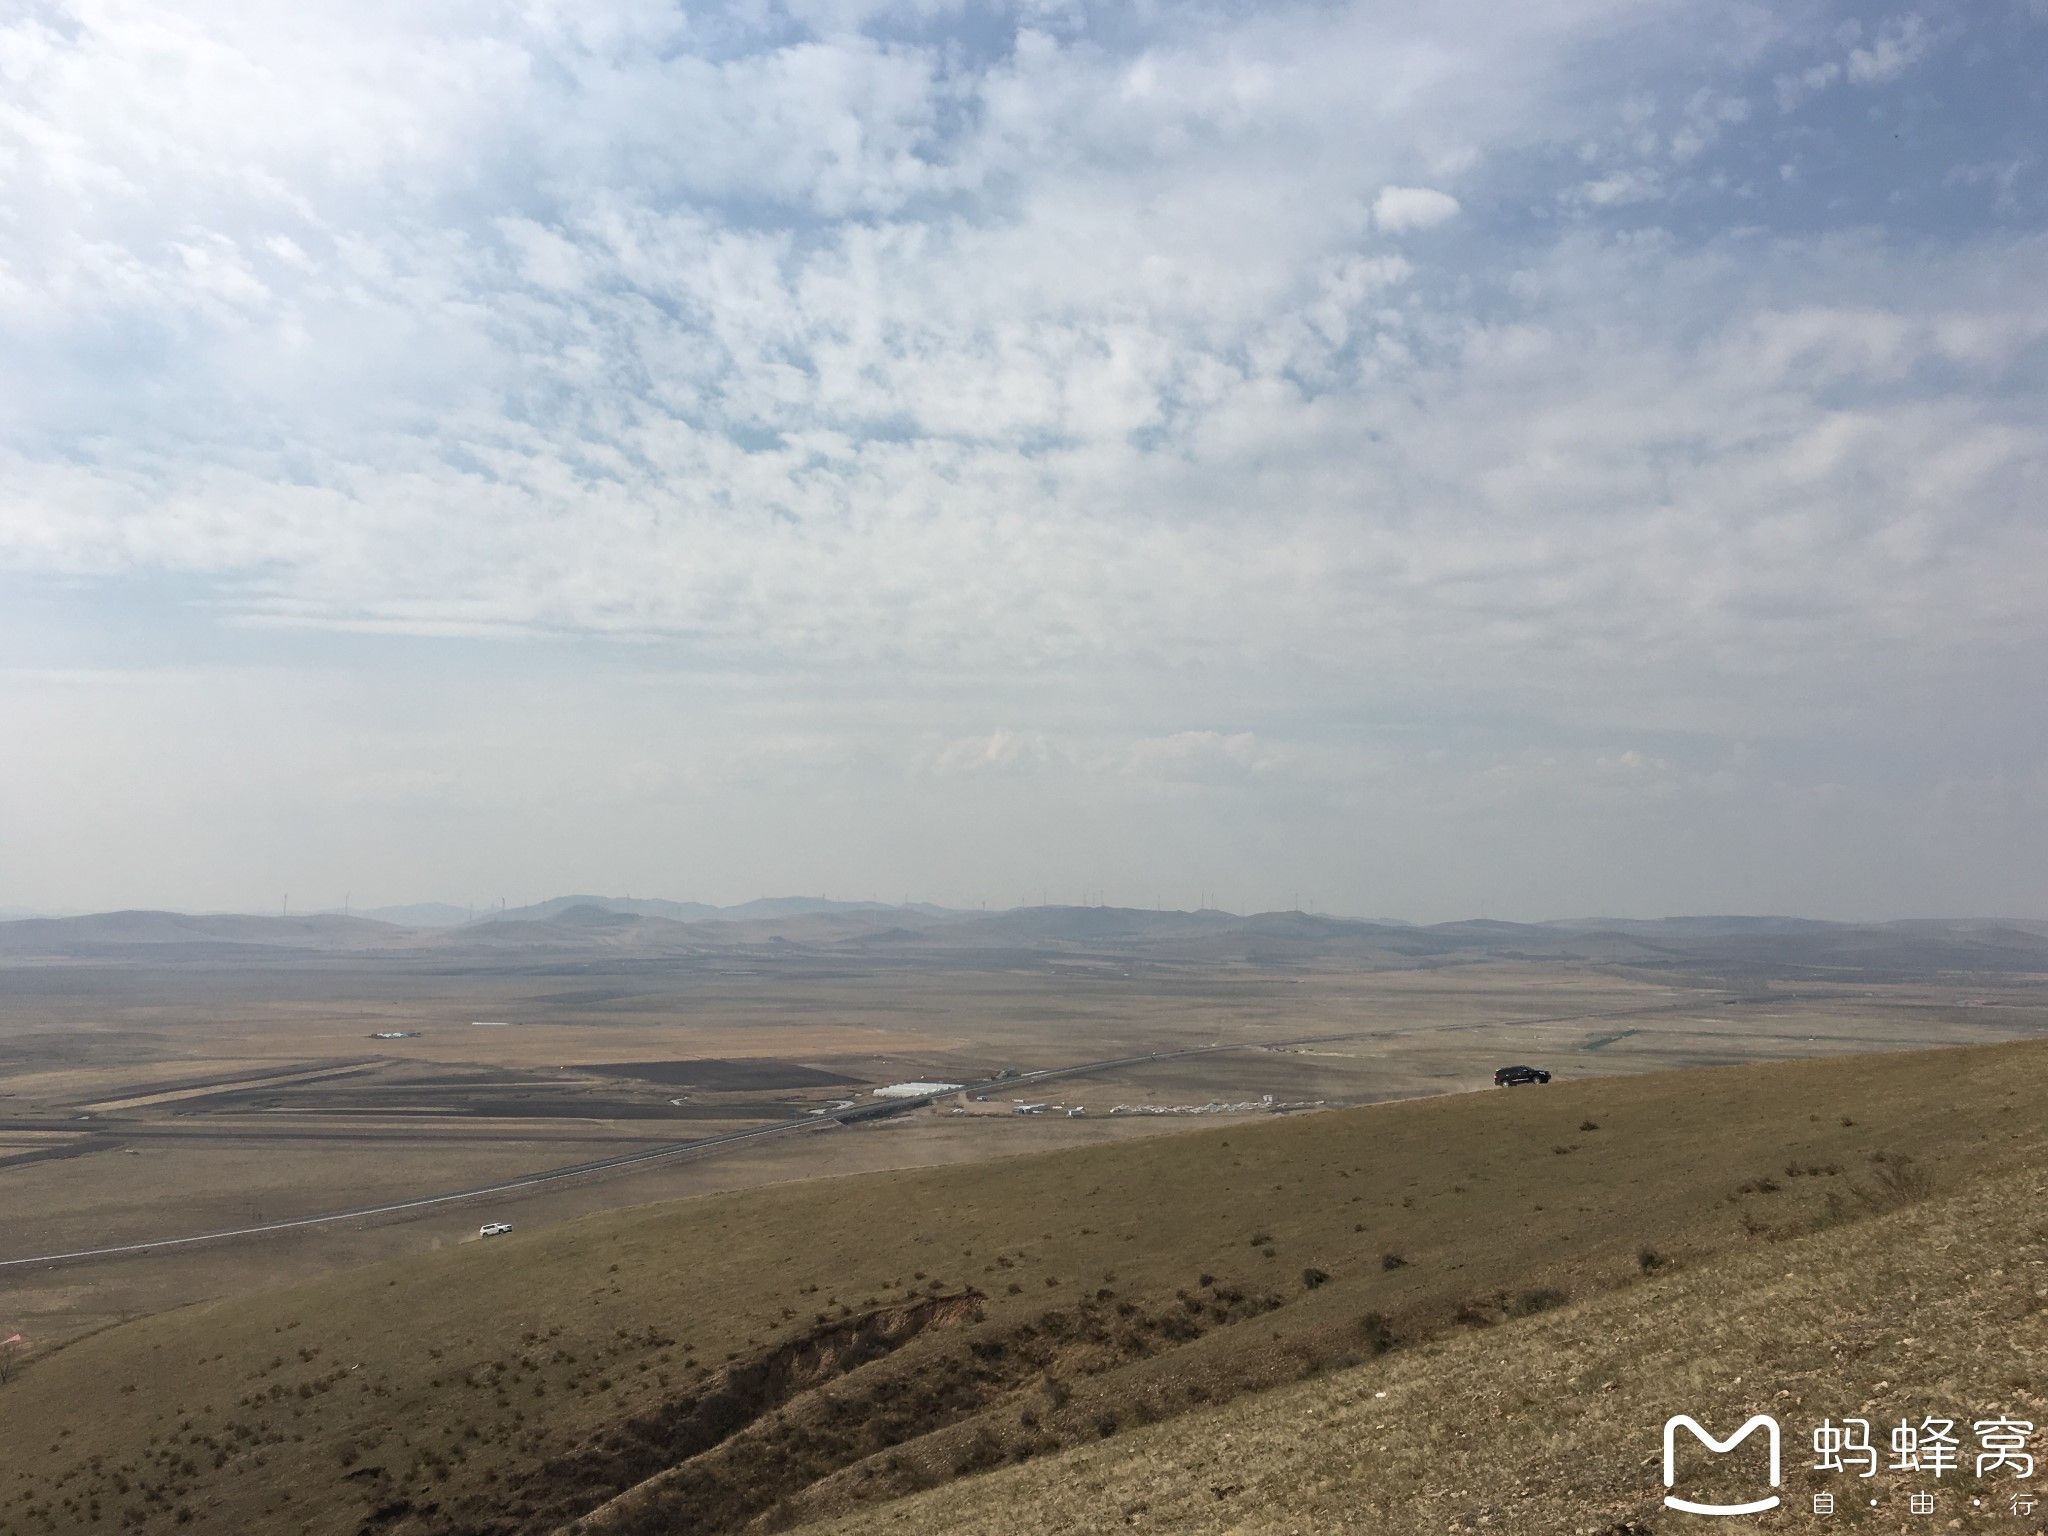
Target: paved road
{"x": 669, "y": 1151}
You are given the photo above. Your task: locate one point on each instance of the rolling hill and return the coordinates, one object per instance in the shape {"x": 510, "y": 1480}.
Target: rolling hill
{"x": 1115, "y": 1333}
{"x": 216, "y": 935}
{"x": 1549, "y": 1423}
{"x": 1729, "y": 951}
{"x": 766, "y": 907}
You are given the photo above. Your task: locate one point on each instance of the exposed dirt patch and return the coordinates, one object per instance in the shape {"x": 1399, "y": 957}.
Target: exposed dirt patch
{"x": 839, "y": 1407}
{"x": 944, "y": 1410}
{"x": 689, "y": 1430}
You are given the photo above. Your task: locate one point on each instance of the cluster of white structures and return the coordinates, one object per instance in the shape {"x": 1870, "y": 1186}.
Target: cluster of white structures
{"x": 1264, "y": 1105}
{"x": 1217, "y": 1107}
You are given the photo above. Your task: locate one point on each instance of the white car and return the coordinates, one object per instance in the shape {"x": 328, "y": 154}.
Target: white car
{"x": 494, "y": 1229}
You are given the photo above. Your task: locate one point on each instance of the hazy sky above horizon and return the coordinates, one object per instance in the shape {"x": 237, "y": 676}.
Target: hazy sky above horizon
{"x": 1570, "y": 457}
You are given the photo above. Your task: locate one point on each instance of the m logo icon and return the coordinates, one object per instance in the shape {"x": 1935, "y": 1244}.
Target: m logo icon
{"x": 1672, "y": 1425}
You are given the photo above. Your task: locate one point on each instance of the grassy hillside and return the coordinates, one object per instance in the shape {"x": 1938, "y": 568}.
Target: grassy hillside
{"x": 803, "y": 1351}
{"x": 1551, "y": 1423}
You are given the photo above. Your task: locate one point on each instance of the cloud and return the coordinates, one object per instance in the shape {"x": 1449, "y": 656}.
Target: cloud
{"x": 1001, "y": 751}
{"x": 1900, "y": 44}
{"x": 1793, "y": 88}
{"x": 1202, "y": 757}
{"x": 1634, "y": 763}
{"x": 1065, "y": 367}
{"x": 1619, "y": 189}
{"x": 1397, "y": 209}
{"x": 1707, "y": 116}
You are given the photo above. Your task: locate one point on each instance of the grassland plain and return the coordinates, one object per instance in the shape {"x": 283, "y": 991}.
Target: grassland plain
{"x": 146, "y": 1096}
{"x": 814, "y": 1350}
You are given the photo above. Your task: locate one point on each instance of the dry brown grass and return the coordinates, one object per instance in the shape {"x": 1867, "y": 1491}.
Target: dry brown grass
{"x": 507, "y": 1386}
{"x": 1551, "y": 1425}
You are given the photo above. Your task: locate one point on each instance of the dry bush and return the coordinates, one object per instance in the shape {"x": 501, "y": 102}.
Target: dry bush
{"x": 1896, "y": 1180}
{"x": 1539, "y": 1298}
{"x": 1377, "y": 1330}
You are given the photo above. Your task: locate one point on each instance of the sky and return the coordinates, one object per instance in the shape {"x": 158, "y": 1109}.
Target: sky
{"x": 1561, "y": 459}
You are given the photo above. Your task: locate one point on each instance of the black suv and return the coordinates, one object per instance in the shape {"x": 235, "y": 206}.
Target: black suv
{"x": 1514, "y": 1077}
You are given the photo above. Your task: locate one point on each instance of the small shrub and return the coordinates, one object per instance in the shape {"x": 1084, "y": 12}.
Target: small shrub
{"x": 1649, "y": 1260}
{"x": 1377, "y": 1330}
{"x": 1392, "y": 1261}
{"x": 1897, "y": 1181}
{"x": 982, "y": 1450}
{"x": 1313, "y": 1277}
{"x": 1541, "y": 1298}
{"x": 1481, "y": 1313}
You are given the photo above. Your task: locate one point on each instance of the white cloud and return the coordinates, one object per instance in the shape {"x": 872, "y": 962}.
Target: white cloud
{"x": 1397, "y": 209}
{"x": 1056, "y": 361}
{"x": 1634, "y": 763}
{"x": 1795, "y": 87}
{"x": 1619, "y": 189}
{"x": 1707, "y": 116}
{"x": 1900, "y": 44}
{"x": 1001, "y": 751}
{"x": 1201, "y": 757}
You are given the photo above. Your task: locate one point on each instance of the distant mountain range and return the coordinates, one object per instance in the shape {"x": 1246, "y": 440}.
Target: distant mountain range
{"x": 445, "y": 914}
{"x": 702, "y": 912}
{"x": 194, "y": 936}
{"x": 1077, "y": 920}
{"x": 644, "y": 927}
{"x": 421, "y": 914}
